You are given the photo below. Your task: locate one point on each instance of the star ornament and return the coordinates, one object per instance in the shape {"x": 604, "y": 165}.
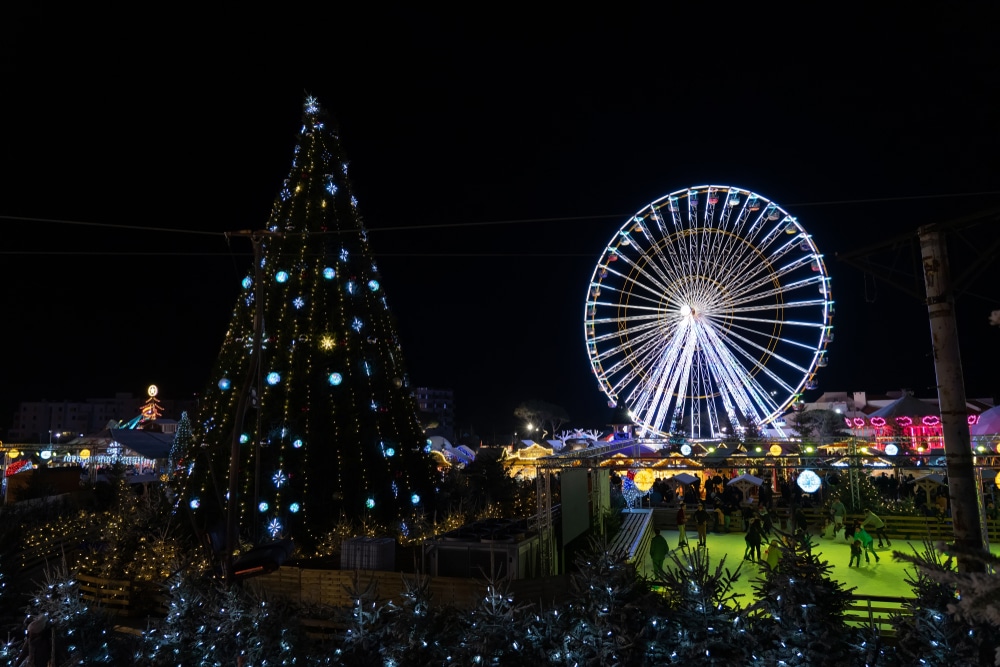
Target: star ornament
{"x": 326, "y": 342}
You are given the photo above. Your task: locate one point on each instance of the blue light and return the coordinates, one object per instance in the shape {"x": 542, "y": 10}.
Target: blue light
{"x": 415, "y": 499}
{"x": 350, "y": 287}
{"x": 263, "y": 506}
{"x": 195, "y": 503}
{"x": 281, "y": 276}
{"x": 247, "y": 282}
{"x": 335, "y": 379}
{"x": 294, "y": 508}
{"x": 344, "y": 254}
{"x": 244, "y": 438}
{"x": 389, "y": 451}
{"x": 274, "y": 527}
{"x": 297, "y": 444}
{"x": 273, "y": 378}
{"x": 357, "y": 324}
{"x": 370, "y": 503}
{"x": 225, "y": 384}
{"x": 329, "y": 273}
{"x": 279, "y": 478}
{"x": 373, "y": 285}
{"x": 428, "y": 448}
{"x": 298, "y": 302}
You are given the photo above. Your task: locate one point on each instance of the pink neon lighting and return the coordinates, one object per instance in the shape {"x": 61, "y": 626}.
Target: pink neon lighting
{"x": 848, "y": 422}
{"x": 859, "y": 422}
{"x": 973, "y": 420}
{"x": 931, "y": 420}
{"x": 904, "y": 421}
{"x": 878, "y": 421}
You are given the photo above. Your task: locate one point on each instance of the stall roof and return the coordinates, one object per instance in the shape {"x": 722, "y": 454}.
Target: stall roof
{"x": 150, "y": 444}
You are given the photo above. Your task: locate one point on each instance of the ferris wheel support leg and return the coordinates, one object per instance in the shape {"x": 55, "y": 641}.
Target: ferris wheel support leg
{"x": 962, "y": 488}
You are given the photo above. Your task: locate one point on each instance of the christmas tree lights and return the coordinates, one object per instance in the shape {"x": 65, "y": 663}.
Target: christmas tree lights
{"x": 332, "y": 397}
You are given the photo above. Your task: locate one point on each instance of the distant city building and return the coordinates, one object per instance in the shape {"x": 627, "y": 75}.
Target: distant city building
{"x": 59, "y": 421}
{"x": 441, "y": 404}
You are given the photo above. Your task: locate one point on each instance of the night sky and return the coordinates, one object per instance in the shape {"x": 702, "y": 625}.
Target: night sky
{"x": 495, "y": 157}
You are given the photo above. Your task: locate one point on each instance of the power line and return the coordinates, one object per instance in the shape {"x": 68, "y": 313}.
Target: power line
{"x": 484, "y": 223}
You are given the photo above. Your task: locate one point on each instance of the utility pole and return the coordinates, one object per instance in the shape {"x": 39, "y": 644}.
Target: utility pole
{"x": 252, "y": 375}
{"x": 962, "y": 487}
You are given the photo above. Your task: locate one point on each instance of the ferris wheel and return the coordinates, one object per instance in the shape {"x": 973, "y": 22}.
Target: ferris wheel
{"x": 708, "y": 311}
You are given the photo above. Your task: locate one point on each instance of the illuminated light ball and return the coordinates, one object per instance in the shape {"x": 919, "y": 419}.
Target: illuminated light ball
{"x": 273, "y": 378}
{"x": 415, "y": 499}
{"x": 428, "y": 447}
{"x": 329, "y": 273}
{"x": 397, "y": 383}
{"x": 335, "y": 379}
{"x": 758, "y": 449}
{"x": 247, "y": 282}
{"x": 294, "y": 508}
{"x": 14, "y": 453}
{"x": 997, "y": 480}
{"x": 686, "y": 450}
{"x": 84, "y": 454}
{"x": 281, "y": 276}
{"x": 808, "y": 481}
{"x": 47, "y": 454}
{"x": 891, "y": 449}
{"x": 389, "y": 451}
{"x": 263, "y": 506}
{"x": 644, "y": 479}
{"x": 370, "y": 503}
{"x": 195, "y": 503}
{"x": 244, "y": 438}
{"x": 775, "y": 450}
{"x": 225, "y": 384}
{"x": 297, "y": 444}
{"x": 373, "y": 285}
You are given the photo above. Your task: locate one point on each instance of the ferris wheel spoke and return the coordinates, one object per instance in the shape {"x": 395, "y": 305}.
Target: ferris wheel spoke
{"x": 749, "y": 271}
{"x": 762, "y": 285}
{"x": 741, "y": 384}
{"x": 812, "y": 303}
{"x": 768, "y": 352}
{"x": 759, "y": 366}
{"x": 775, "y": 339}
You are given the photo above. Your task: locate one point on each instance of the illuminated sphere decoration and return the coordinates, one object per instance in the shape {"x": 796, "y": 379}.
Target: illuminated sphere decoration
{"x": 294, "y": 508}
{"x": 47, "y": 454}
{"x": 263, "y": 506}
{"x": 84, "y": 454}
{"x": 244, "y": 438}
{"x": 389, "y": 451}
{"x": 247, "y": 282}
{"x": 273, "y": 378}
{"x": 644, "y": 479}
{"x": 775, "y": 450}
{"x": 225, "y": 384}
{"x": 686, "y": 450}
{"x": 373, "y": 285}
{"x": 152, "y": 390}
{"x": 335, "y": 379}
{"x": 14, "y": 453}
{"x": 297, "y": 444}
{"x": 329, "y": 273}
{"x": 415, "y": 499}
{"x": 808, "y": 481}
{"x": 281, "y": 276}
{"x": 195, "y": 503}
{"x": 891, "y": 449}
{"x": 997, "y": 481}
{"x": 370, "y": 503}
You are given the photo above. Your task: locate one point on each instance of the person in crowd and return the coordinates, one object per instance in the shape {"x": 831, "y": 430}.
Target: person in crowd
{"x": 658, "y": 550}
{"x": 720, "y": 517}
{"x": 991, "y": 511}
{"x": 766, "y": 522}
{"x": 773, "y": 554}
{"x": 752, "y": 538}
{"x": 701, "y": 523}
{"x": 37, "y": 648}
{"x": 942, "y": 505}
{"x": 799, "y": 521}
{"x": 876, "y": 525}
{"x": 839, "y": 513}
{"x": 828, "y": 530}
{"x": 682, "y": 538}
{"x": 867, "y": 544}
{"x": 856, "y": 549}
{"x": 850, "y": 530}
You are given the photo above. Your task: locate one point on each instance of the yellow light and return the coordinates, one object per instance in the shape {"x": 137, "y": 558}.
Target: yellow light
{"x": 13, "y": 453}
{"x": 153, "y": 390}
{"x": 644, "y": 479}
{"x": 326, "y": 342}
{"x": 775, "y": 450}
{"x": 84, "y": 454}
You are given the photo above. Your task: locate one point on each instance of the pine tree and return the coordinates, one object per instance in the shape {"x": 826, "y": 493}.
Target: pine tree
{"x": 183, "y": 445}
{"x": 799, "y": 613}
{"x": 704, "y": 624}
{"x": 955, "y": 616}
{"x": 332, "y": 429}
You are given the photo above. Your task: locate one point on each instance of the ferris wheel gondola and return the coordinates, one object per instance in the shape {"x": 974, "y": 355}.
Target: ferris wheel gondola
{"x": 708, "y": 312}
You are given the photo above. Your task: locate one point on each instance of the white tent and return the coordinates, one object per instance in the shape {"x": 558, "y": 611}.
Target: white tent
{"x": 745, "y": 483}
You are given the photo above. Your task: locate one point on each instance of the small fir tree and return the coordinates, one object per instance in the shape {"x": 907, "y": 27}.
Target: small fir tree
{"x": 704, "y": 624}
{"x": 495, "y": 633}
{"x": 182, "y": 446}
{"x": 799, "y": 613}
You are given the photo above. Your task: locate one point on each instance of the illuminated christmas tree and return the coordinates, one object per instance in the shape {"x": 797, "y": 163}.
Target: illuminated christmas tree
{"x": 330, "y": 426}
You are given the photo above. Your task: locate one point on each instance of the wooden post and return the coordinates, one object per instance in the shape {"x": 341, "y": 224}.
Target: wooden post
{"x": 962, "y": 488}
